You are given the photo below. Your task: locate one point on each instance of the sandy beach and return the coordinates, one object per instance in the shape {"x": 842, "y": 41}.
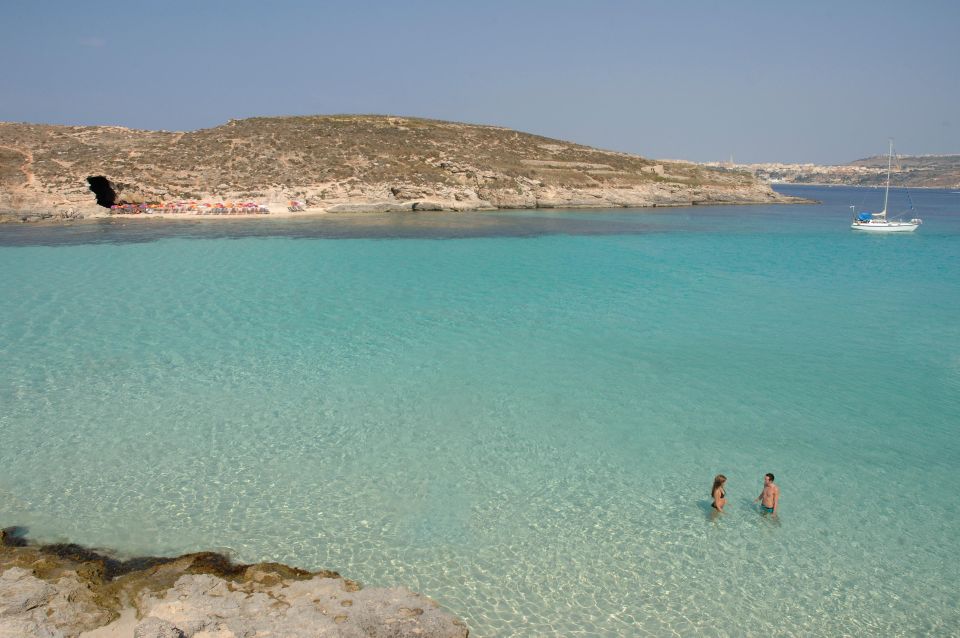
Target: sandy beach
{"x": 276, "y": 212}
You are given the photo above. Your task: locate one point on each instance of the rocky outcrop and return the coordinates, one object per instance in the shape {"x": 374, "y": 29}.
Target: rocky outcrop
{"x": 371, "y": 207}
{"x": 339, "y": 164}
{"x": 62, "y": 606}
{"x": 66, "y": 591}
{"x": 315, "y": 607}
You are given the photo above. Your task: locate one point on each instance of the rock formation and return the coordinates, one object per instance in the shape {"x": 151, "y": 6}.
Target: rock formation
{"x": 66, "y": 591}
{"x": 340, "y": 163}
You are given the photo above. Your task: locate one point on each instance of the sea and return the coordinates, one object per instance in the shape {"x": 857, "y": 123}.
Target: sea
{"x": 518, "y": 413}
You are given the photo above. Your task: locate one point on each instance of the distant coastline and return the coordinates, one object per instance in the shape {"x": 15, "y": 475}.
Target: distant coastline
{"x": 870, "y": 186}
{"x": 923, "y": 171}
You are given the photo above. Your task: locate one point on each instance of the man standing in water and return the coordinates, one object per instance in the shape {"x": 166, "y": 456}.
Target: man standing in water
{"x": 770, "y": 496}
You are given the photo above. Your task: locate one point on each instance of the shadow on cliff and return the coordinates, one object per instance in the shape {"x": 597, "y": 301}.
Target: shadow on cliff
{"x": 15, "y": 538}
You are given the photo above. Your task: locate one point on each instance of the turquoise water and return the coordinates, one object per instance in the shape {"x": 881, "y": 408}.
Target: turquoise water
{"x": 518, "y": 414}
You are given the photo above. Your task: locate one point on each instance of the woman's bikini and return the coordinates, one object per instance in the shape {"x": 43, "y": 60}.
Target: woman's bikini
{"x": 723, "y": 494}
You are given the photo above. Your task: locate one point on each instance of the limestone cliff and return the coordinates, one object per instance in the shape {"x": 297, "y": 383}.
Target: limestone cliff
{"x": 341, "y": 163}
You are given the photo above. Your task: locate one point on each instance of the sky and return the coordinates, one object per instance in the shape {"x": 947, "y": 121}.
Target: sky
{"x": 810, "y": 81}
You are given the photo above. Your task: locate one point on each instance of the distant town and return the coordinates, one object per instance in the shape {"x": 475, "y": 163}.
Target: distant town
{"x": 916, "y": 171}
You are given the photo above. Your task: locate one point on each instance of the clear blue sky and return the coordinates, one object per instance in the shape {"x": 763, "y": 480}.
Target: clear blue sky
{"x": 824, "y": 82}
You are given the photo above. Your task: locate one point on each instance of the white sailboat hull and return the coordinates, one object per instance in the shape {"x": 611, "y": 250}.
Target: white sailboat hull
{"x": 885, "y": 227}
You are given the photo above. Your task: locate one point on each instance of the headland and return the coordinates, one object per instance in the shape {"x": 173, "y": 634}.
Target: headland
{"x": 338, "y": 163}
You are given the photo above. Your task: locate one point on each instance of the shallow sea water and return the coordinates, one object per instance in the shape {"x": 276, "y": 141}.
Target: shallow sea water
{"x": 518, "y": 414}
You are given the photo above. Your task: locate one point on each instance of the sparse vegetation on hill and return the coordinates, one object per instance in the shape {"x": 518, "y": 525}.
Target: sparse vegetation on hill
{"x": 344, "y": 160}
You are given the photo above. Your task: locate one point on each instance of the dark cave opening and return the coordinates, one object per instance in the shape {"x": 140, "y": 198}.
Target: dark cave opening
{"x": 103, "y": 189}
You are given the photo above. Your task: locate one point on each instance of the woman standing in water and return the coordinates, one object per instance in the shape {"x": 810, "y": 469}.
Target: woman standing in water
{"x": 719, "y": 493}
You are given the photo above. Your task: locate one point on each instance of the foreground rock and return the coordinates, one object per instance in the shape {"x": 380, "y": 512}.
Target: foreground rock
{"x": 340, "y": 164}
{"x": 68, "y": 591}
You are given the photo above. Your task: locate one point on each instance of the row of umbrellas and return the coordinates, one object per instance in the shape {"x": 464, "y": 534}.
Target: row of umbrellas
{"x": 191, "y": 205}
{"x": 187, "y": 205}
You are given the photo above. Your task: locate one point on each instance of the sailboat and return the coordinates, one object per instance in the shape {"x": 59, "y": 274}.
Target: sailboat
{"x": 878, "y": 222}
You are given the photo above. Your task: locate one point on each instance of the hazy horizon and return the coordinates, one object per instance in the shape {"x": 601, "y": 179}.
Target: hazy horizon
{"x": 820, "y": 83}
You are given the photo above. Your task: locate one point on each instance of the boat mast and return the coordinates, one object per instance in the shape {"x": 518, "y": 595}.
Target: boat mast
{"x": 886, "y": 194}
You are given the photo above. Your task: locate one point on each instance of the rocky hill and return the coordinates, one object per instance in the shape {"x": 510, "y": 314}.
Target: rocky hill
{"x": 336, "y": 163}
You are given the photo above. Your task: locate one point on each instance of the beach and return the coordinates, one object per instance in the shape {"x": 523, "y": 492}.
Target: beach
{"x": 275, "y": 211}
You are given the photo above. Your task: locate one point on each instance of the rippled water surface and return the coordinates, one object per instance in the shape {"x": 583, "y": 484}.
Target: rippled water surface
{"x": 518, "y": 413}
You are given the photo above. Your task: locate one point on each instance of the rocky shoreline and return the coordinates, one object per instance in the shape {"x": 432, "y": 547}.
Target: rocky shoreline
{"x": 653, "y": 196}
{"x": 68, "y": 591}
{"x": 579, "y": 199}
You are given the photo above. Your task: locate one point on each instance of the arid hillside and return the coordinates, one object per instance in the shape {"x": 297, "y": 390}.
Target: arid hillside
{"x": 336, "y": 163}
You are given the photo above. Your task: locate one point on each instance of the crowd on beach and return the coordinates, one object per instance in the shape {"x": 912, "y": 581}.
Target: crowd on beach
{"x": 203, "y": 208}
{"x": 195, "y": 208}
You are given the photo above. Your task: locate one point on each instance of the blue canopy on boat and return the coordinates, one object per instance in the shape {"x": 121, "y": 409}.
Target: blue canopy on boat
{"x": 864, "y": 217}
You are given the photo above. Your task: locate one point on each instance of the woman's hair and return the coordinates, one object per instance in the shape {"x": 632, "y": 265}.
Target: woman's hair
{"x": 718, "y": 480}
